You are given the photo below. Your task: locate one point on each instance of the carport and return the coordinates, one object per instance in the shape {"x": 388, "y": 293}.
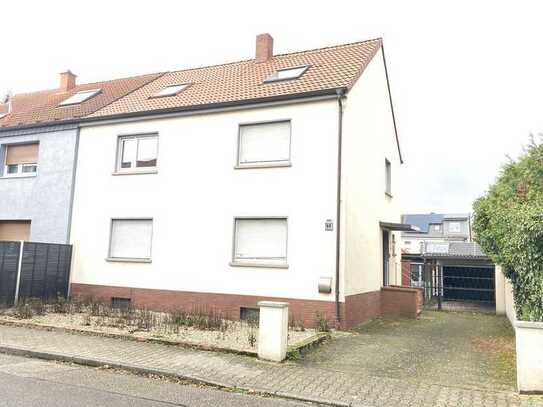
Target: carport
{"x": 457, "y": 276}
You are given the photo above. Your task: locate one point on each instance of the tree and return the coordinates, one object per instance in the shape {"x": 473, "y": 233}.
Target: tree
{"x": 508, "y": 224}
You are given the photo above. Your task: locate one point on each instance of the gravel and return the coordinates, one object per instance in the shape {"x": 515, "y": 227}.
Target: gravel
{"x": 237, "y": 336}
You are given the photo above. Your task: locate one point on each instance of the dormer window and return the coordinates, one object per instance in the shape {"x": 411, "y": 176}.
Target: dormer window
{"x": 172, "y": 90}
{"x": 287, "y": 74}
{"x": 80, "y": 97}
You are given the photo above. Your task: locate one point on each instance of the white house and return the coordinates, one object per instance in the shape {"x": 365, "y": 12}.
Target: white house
{"x": 218, "y": 187}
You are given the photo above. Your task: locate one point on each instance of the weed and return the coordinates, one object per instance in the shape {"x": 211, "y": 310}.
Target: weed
{"x": 322, "y": 323}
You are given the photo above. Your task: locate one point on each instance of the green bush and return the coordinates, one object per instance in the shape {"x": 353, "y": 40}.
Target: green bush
{"x": 508, "y": 224}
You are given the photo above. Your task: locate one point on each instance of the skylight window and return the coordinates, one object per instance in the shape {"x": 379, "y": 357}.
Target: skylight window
{"x": 80, "y": 97}
{"x": 287, "y": 74}
{"x": 171, "y": 90}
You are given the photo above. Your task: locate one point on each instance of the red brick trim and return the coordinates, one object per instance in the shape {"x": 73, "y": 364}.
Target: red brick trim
{"x": 358, "y": 308}
{"x": 361, "y": 308}
{"x": 401, "y": 301}
{"x": 229, "y": 304}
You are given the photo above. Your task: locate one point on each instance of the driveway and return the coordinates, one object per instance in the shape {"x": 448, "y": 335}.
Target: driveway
{"x": 453, "y": 349}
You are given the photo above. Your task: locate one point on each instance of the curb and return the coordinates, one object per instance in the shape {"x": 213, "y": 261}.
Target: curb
{"x": 21, "y": 351}
{"x": 302, "y": 346}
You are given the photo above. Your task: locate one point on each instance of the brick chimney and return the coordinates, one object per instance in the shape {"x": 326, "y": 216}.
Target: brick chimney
{"x": 67, "y": 81}
{"x": 264, "y": 47}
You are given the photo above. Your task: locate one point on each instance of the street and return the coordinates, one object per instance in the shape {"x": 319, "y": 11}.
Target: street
{"x": 33, "y": 382}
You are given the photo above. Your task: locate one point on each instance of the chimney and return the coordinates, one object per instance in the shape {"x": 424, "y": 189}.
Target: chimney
{"x": 67, "y": 81}
{"x": 264, "y": 47}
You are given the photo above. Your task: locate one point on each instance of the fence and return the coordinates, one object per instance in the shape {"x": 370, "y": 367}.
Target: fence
{"x": 33, "y": 270}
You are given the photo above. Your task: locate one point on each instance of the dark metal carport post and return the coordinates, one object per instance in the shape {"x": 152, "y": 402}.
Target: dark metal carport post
{"x": 439, "y": 285}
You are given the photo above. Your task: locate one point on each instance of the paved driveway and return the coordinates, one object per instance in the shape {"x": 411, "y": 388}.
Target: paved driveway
{"x": 457, "y": 349}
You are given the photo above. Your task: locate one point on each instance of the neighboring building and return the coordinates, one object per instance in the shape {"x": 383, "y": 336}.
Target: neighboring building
{"x": 441, "y": 257}
{"x": 38, "y": 148}
{"x": 218, "y": 187}
{"x": 434, "y": 227}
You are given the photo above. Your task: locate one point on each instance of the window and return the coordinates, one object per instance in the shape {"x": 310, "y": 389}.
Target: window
{"x": 137, "y": 153}
{"x": 80, "y": 97}
{"x": 416, "y": 275}
{"x": 120, "y": 303}
{"x": 287, "y": 74}
{"x": 15, "y": 230}
{"x": 264, "y": 144}
{"x": 131, "y": 239}
{"x": 260, "y": 241}
{"x": 21, "y": 160}
{"x": 171, "y": 90}
{"x": 454, "y": 227}
{"x": 249, "y": 314}
{"x": 388, "y": 177}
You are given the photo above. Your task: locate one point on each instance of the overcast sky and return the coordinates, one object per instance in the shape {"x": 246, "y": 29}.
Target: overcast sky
{"x": 466, "y": 76}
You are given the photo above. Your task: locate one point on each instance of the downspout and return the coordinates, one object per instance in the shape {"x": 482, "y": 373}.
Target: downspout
{"x": 340, "y": 94}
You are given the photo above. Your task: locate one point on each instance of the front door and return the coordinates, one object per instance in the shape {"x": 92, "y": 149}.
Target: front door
{"x": 386, "y": 257}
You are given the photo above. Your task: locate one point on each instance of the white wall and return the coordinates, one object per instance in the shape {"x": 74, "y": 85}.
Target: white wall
{"x": 369, "y": 138}
{"x": 196, "y": 195}
{"x": 505, "y": 303}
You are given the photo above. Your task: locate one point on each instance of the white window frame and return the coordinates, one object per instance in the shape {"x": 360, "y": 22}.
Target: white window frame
{"x": 164, "y": 93}
{"x": 20, "y": 167}
{"x": 120, "y": 149}
{"x": 388, "y": 177}
{"x": 456, "y": 230}
{"x": 268, "y": 163}
{"x": 274, "y": 76}
{"x": 130, "y": 259}
{"x": 74, "y": 100}
{"x": 420, "y": 273}
{"x": 263, "y": 263}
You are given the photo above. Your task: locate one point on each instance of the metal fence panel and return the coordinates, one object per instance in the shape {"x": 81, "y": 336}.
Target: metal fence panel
{"x": 9, "y": 263}
{"x": 45, "y": 270}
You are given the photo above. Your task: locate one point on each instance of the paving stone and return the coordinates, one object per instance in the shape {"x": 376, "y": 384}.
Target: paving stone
{"x": 439, "y": 360}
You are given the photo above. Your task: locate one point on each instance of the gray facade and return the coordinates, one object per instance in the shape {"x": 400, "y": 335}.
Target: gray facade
{"x": 46, "y": 198}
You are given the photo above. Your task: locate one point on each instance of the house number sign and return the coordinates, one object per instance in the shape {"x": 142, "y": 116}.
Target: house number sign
{"x": 329, "y": 225}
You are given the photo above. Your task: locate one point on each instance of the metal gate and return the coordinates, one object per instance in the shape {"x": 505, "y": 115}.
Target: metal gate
{"x": 458, "y": 287}
{"x": 43, "y": 271}
{"x": 469, "y": 283}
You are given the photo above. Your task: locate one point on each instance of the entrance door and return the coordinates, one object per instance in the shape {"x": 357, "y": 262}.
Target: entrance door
{"x": 386, "y": 257}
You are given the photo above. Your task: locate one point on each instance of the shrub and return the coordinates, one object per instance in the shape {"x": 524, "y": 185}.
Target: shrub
{"x": 508, "y": 224}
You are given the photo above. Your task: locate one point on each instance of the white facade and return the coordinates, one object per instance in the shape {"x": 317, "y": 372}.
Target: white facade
{"x": 195, "y": 195}
{"x": 369, "y": 140}
{"x": 200, "y": 187}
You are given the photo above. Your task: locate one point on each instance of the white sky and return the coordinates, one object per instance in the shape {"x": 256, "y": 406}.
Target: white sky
{"x": 466, "y": 76}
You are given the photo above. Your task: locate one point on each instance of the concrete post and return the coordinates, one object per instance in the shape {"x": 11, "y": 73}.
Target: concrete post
{"x": 499, "y": 281}
{"x": 273, "y": 330}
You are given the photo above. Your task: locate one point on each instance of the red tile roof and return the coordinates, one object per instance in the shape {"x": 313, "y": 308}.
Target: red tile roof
{"x": 242, "y": 82}
{"x": 329, "y": 68}
{"x": 43, "y": 107}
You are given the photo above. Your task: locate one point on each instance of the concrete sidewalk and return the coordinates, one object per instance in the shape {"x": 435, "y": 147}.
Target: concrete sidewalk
{"x": 290, "y": 380}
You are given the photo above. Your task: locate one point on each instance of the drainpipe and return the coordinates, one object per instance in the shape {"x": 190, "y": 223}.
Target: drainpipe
{"x": 340, "y": 95}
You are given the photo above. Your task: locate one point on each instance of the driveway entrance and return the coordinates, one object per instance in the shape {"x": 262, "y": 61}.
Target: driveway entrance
{"x": 453, "y": 349}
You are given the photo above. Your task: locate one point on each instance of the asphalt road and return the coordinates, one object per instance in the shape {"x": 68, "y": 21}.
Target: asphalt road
{"x": 32, "y": 382}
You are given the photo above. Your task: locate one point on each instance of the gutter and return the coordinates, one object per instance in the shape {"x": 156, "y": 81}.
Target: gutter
{"x": 154, "y": 114}
{"x": 340, "y": 94}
